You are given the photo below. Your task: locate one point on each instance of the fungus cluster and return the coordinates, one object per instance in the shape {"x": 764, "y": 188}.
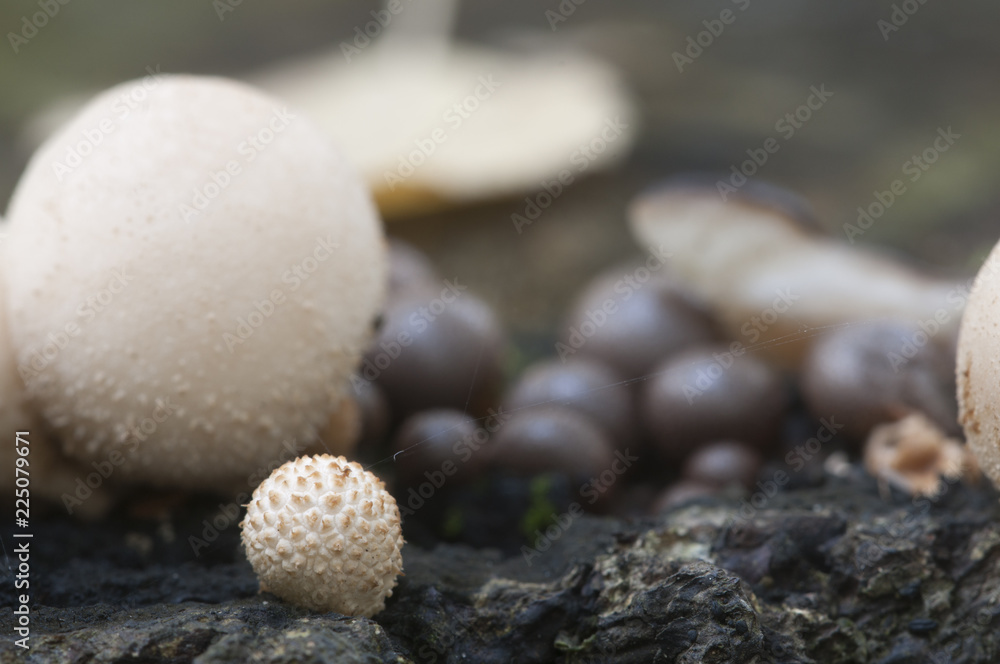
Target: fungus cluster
{"x": 235, "y": 264}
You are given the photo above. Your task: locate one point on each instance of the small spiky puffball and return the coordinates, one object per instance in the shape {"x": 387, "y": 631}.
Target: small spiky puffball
{"x": 323, "y": 533}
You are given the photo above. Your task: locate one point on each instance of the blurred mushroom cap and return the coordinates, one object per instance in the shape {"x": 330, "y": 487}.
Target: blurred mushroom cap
{"x": 756, "y": 252}
{"x": 430, "y": 127}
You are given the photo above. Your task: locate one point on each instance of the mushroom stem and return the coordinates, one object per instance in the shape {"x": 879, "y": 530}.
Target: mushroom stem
{"x": 431, "y": 27}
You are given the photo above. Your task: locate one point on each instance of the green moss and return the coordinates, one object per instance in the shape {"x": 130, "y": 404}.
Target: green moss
{"x": 541, "y": 512}
{"x": 454, "y": 521}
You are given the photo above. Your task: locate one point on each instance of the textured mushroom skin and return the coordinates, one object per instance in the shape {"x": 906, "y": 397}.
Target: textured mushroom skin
{"x": 323, "y": 533}
{"x": 215, "y": 407}
{"x": 52, "y": 475}
{"x": 978, "y": 369}
{"x": 14, "y": 416}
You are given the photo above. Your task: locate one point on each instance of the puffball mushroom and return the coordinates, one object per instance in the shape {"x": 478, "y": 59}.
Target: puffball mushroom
{"x": 53, "y": 477}
{"x": 977, "y": 372}
{"x": 324, "y": 534}
{"x": 756, "y": 251}
{"x": 197, "y": 288}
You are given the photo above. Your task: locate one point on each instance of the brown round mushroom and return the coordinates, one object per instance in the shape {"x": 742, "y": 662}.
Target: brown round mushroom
{"x": 374, "y": 410}
{"x": 867, "y": 375}
{"x": 551, "y": 439}
{"x": 633, "y": 328}
{"x": 709, "y": 393}
{"x": 584, "y": 385}
{"x": 410, "y": 270}
{"x": 679, "y": 493}
{"x": 437, "y": 440}
{"x": 437, "y": 350}
{"x": 723, "y": 463}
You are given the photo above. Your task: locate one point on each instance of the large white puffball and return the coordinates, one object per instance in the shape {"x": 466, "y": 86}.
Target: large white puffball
{"x": 193, "y": 271}
{"x": 977, "y": 370}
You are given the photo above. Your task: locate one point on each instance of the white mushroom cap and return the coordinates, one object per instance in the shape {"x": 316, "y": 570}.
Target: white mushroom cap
{"x": 526, "y": 119}
{"x": 323, "y": 533}
{"x": 208, "y": 316}
{"x": 742, "y": 254}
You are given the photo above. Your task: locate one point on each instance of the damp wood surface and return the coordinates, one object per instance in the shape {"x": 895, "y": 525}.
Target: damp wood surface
{"x": 833, "y": 573}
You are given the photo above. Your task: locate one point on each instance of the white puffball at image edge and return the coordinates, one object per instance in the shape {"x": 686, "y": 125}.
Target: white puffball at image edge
{"x": 121, "y": 299}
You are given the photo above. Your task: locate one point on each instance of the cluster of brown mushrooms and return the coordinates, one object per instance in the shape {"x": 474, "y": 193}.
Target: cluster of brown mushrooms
{"x": 744, "y": 339}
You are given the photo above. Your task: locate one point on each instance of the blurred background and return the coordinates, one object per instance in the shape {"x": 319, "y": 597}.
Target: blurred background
{"x": 898, "y": 72}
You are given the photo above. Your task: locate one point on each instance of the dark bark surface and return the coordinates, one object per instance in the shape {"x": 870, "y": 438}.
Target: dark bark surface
{"x": 831, "y": 574}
